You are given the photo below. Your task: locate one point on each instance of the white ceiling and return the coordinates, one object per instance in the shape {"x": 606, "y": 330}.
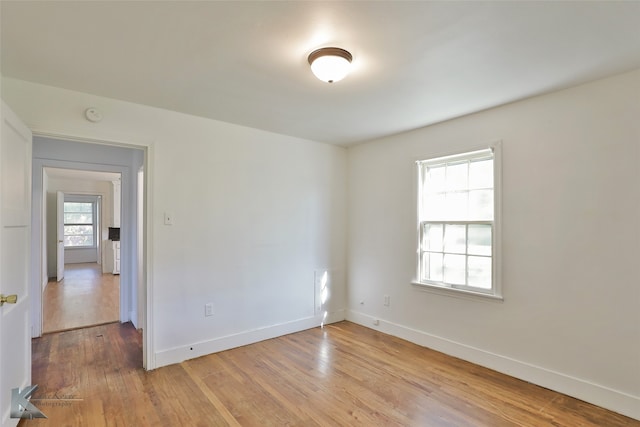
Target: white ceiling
{"x": 415, "y": 63}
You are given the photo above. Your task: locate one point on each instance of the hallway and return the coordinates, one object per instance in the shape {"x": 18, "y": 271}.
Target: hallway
{"x": 85, "y": 297}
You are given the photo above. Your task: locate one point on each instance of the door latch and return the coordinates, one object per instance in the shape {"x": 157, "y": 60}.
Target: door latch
{"x": 9, "y": 299}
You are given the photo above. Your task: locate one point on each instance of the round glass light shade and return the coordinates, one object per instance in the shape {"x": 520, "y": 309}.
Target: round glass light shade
{"x": 330, "y": 64}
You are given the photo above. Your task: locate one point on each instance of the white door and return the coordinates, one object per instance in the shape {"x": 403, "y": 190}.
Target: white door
{"x": 60, "y": 236}
{"x": 15, "y": 229}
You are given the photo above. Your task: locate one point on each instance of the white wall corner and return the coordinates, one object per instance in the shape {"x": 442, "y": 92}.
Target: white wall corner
{"x": 192, "y": 351}
{"x": 133, "y": 318}
{"x": 613, "y": 400}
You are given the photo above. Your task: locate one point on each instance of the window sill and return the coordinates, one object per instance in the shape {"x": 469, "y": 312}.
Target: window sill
{"x": 456, "y": 292}
{"x": 74, "y": 248}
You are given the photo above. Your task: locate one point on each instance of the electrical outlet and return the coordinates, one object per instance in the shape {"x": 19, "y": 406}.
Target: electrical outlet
{"x": 208, "y": 309}
{"x": 387, "y": 300}
{"x": 168, "y": 218}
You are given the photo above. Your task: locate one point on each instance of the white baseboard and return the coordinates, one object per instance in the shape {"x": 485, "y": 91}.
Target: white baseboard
{"x": 182, "y": 353}
{"x": 613, "y": 400}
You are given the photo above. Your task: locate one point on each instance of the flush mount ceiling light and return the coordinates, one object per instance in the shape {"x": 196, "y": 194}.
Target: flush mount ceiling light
{"x": 330, "y": 64}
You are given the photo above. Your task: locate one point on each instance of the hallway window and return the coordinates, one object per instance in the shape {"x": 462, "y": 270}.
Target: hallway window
{"x": 79, "y": 224}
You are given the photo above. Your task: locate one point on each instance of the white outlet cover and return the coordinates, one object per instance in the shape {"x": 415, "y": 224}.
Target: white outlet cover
{"x": 168, "y": 218}
{"x": 208, "y": 309}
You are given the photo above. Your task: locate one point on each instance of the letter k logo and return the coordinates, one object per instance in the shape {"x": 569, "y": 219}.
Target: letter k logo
{"x": 19, "y": 400}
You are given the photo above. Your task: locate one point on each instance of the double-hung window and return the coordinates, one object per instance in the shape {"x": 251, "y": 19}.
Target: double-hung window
{"x": 80, "y": 224}
{"x": 457, "y": 216}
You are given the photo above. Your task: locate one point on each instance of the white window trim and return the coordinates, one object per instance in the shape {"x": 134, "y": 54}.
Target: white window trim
{"x": 496, "y": 292}
{"x": 95, "y": 200}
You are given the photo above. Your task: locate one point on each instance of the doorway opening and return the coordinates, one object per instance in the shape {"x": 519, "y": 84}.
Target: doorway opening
{"x": 128, "y": 267}
{"x": 82, "y": 218}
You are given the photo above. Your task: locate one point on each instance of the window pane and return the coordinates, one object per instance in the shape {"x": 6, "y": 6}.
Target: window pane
{"x": 78, "y": 235}
{"x": 456, "y": 206}
{"x": 435, "y": 179}
{"x": 78, "y": 230}
{"x": 455, "y": 239}
{"x": 434, "y": 207}
{"x": 479, "y": 240}
{"x": 435, "y": 267}
{"x": 78, "y": 240}
{"x": 457, "y": 176}
{"x": 77, "y": 207}
{"x": 481, "y": 205}
{"x": 454, "y": 269}
{"x": 424, "y": 266}
{"x": 433, "y": 237}
{"x": 481, "y": 174}
{"x": 78, "y": 218}
{"x": 479, "y": 272}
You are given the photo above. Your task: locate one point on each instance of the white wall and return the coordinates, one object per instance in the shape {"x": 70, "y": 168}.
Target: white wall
{"x": 76, "y": 186}
{"x": 255, "y": 214}
{"x": 570, "y": 319}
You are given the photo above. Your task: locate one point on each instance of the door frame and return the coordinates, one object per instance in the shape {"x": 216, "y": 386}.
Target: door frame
{"x": 59, "y": 232}
{"x": 38, "y": 245}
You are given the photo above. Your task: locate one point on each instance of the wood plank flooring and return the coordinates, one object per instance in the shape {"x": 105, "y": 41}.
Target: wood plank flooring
{"x": 339, "y": 375}
{"x": 85, "y": 297}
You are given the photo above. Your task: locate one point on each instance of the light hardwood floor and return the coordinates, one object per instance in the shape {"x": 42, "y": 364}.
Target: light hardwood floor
{"x": 85, "y": 297}
{"x": 339, "y": 375}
